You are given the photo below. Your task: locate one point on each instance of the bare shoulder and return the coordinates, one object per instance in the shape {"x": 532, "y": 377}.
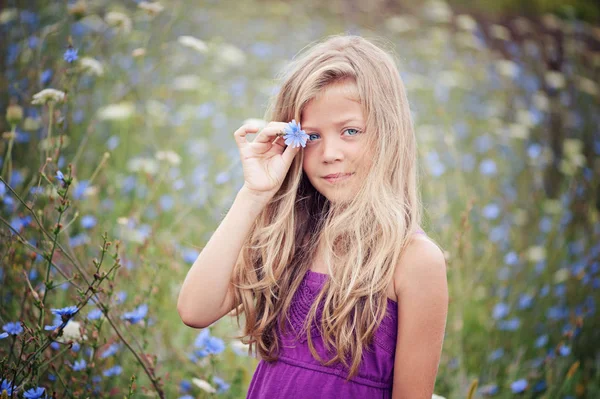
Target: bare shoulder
{"x": 422, "y": 264}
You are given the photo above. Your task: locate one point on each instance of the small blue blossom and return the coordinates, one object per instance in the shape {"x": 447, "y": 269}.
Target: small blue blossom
{"x": 79, "y": 365}
{"x": 564, "y": 350}
{"x": 111, "y": 350}
{"x": 3, "y": 335}
{"x": 60, "y": 176}
{"x": 55, "y": 323}
{"x": 137, "y": 314}
{"x": 13, "y": 328}
{"x": 222, "y": 386}
{"x": 71, "y": 55}
{"x": 65, "y": 313}
{"x": 34, "y": 393}
{"x": 208, "y": 344}
{"x": 489, "y": 390}
{"x": 94, "y": 314}
{"x": 185, "y": 386}
{"x": 540, "y": 386}
{"x": 519, "y": 386}
{"x": 88, "y": 221}
{"x": 294, "y": 135}
{"x": 116, "y": 370}
{"x": 500, "y": 311}
{"x": 8, "y": 386}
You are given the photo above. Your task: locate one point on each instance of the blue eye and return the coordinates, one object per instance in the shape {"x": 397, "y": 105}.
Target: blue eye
{"x": 311, "y": 134}
{"x": 357, "y": 131}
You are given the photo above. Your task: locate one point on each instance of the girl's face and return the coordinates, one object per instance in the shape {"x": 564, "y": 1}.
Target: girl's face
{"x": 335, "y": 125}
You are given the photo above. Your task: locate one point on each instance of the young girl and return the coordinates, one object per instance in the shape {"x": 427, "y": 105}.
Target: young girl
{"x": 343, "y": 294}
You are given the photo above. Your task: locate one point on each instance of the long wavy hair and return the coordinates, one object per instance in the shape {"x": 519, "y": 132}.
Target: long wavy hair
{"x": 364, "y": 236}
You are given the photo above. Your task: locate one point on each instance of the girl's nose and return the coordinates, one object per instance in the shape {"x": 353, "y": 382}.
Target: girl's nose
{"x": 332, "y": 150}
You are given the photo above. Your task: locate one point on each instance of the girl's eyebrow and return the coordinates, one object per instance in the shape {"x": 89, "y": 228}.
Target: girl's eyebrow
{"x": 342, "y": 122}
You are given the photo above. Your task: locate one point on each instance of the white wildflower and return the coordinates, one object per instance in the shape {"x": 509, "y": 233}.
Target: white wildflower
{"x": 231, "y": 55}
{"x": 146, "y": 165}
{"x": 437, "y": 11}
{"x": 71, "y": 332}
{"x": 587, "y": 85}
{"x": 555, "y": 79}
{"x": 114, "y": 112}
{"x": 204, "y": 385}
{"x": 239, "y": 348}
{"x": 187, "y": 83}
{"x": 48, "y": 95}
{"x": 401, "y": 23}
{"x": 138, "y": 52}
{"x": 193, "y": 43}
{"x": 518, "y": 131}
{"x": 552, "y": 206}
{"x": 170, "y": 156}
{"x": 466, "y": 22}
{"x": 561, "y": 275}
{"x": 8, "y": 15}
{"x": 118, "y": 20}
{"x": 536, "y": 254}
{"x": 500, "y": 32}
{"x": 541, "y": 101}
{"x": 507, "y": 68}
{"x": 92, "y": 65}
{"x": 434, "y": 396}
{"x": 152, "y": 8}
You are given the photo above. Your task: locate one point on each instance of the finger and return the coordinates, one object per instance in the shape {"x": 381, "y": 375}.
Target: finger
{"x": 268, "y": 134}
{"x": 240, "y": 134}
{"x": 289, "y": 154}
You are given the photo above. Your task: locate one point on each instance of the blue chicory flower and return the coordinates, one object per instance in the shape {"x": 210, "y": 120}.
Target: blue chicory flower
{"x": 79, "y": 365}
{"x": 137, "y": 314}
{"x": 34, "y": 393}
{"x": 65, "y": 313}
{"x": 13, "y": 328}
{"x": 294, "y": 135}
{"x": 8, "y": 387}
{"x": 519, "y": 386}
{"x": 71, "y": 55}
{"x": 116, "y": 370}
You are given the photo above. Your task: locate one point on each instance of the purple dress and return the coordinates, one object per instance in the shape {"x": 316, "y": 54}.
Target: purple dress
{"x": 297, "y": 375}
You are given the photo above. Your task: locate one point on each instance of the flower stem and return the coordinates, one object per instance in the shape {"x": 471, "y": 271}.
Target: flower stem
{"x": 8, "y": 162}
{"x": 50, "y": 123}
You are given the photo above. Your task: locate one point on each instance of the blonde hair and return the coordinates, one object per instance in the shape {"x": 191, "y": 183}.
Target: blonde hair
{"x": 364, "y": 236}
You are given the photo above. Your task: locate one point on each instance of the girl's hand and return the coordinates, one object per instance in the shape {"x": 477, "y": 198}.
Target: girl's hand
{"x": 266, "y": 160}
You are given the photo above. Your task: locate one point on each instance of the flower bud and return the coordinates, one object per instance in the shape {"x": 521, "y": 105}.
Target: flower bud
{"x": 14, "y": 114}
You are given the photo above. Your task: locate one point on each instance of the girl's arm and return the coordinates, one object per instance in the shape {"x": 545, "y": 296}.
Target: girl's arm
{"x": 206, "y": 295}
{"x": 422, "y": 293}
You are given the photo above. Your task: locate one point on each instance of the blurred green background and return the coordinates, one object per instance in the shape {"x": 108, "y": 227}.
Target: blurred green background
{"x": 505, "y": 101}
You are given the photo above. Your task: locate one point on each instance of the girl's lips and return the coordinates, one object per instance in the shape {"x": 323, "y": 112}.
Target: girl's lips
{"x": 339, "y": 178}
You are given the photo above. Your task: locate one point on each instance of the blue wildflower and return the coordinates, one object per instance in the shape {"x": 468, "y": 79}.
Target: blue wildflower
{"x": 519, "y": 386}
{"x": 222, "y": 386}
{"x": 60, "y": 176}
{"x": 189, "y": 255}
{"x": 495, "y": 355}
{"x": 13, "y": 328}
{"x": 509, "y": 325}
{"x": 487, "y": 167}
{"x": 540, "y": 386}
{"x": 489, "y": 390}
{"x": 208, "y": 344}
{"x": 111, "y": 350}
{"x": 294, "y": 135}
{"x": 71, "y": 55}
{"x": 94, "y": 314}
{"x": 55, "y": 323}
{"x": 65, "y": 313}
{"x": 564, "y": 350}
{"x": 185, "y": 386}
{"x": 88, "y": 221}
{"x": 79, "y": 365}
{"x": 3, "y": 335}
{"x": 8, "y": 386}
{"x": 186, "y": 397}
{"x": 500, "y": 311}
{"x": 34, "y": 393}
{"x": 116, "y": 370}
{"x": 137, "y": 314}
